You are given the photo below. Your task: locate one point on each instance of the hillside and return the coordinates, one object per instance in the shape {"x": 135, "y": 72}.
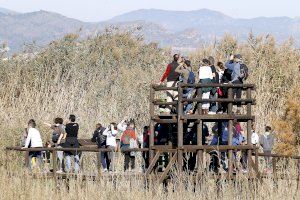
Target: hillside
{"x": 177, "y": 29}
{"x": 40, "y": 27}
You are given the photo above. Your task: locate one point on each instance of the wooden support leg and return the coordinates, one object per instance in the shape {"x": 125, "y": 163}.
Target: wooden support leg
{"x": 199, "y": 152}
{"x": 152, "y": 164}
{"x": 230, "y": 152}
{"x": 54, "y": 163}
{"x": 252, "y": 164}
{"x": 170, "y": 164}
{"x": 99, "y": 163}
{"x": 27, "y": 159}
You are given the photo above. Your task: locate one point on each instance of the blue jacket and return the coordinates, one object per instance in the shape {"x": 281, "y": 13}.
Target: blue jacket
{"x": 235, "y": 68}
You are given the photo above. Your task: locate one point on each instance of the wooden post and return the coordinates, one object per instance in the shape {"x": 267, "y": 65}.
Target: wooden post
{"x": 180, "y": 128}
{"x": 54, "y": 163}
{"x": 249, "y": 130}
{"x": 151, "y": 139}
{"x": 199, "y": 132}
{"x": 27, "y": 158}
{"x": 99, "y": 163}
{"x": 230, "y": 132}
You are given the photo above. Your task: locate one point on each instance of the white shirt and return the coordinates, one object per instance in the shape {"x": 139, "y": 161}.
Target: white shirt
{"x": 122, "y": 126}
{"x": 205, "y": 72}
{"x": 110, "y": 137}
{"x": 34, "y": 138}
{"x": 254, "y": 138}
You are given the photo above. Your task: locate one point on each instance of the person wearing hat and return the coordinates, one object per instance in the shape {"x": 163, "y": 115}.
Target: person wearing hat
{"x": 234, "y": 64}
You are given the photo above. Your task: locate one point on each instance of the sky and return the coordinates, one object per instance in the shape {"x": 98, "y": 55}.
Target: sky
{"x": 100, "y": 10}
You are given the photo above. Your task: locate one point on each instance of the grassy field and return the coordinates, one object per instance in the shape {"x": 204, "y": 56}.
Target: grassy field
{"x": 104, "y": 78}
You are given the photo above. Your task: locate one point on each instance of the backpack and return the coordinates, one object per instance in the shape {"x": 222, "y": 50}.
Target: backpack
{"x": 244, "y": 71}
{"x": 55, "y": 137}
{"x": 101, "y": 138}
{"x": 191, "y": 79}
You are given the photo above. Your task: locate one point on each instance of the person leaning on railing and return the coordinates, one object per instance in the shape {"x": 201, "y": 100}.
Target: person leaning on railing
{"x": 33, "y": 140}
{"x": 100, "y": 140}
{"x": 111, "y": 132}
{"x": 205, "y": 77}
{"x": 128, "y": 139}
{"x": 72, "y": 142}
{"x": 57, "y": 136}
{"x": 172, "y": 80}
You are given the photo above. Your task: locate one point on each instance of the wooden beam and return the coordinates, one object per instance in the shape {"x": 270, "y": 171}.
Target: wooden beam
{"x": 170, "y": 164}
{"x": 255, "y": 170}
{"x": 223, "y": 117}
{"x": 180, "y": 128}
{"x": 152, "y": 164}
{"x": 201, "y": 85}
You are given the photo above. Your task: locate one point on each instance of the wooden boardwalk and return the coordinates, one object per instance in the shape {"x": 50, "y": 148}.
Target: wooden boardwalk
{"x": 176, "y": 148}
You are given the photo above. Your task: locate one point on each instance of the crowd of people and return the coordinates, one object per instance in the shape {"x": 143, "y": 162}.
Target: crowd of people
{"x": 180, "y": 71}
{"x": 124, "y": 136}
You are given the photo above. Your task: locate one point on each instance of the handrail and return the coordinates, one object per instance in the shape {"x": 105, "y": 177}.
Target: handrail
{"x": 88, "y": 149}
{"x": 187, "y": 147}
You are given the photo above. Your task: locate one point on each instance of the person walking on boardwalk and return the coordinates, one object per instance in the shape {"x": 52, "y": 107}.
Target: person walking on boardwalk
{"x": 267, "y": 142}
{"x": 172, "y": 78}
{"x": 33, "y": 140}
{"x": 100, "y": 140}
{"x": 72, "y": 142}
{"x": 128, "y": 139}
{"x": 58, "y": 133}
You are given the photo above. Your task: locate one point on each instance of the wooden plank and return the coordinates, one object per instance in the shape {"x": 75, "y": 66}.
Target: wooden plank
{"x": 243, "y": 101}
{"x": 151, "y": 138}
{"x": 228, "y": 85}
{"x": 165, "y": 121}
{"x": 219, "y": 117}
{"x": 26, "y": 155}
{"x": 152, "y": 164}
{"x": 54, "y": 163}
{"x": 218, "y": 147}
{"x": 162, "y": 88}
{"x": 158, "y": 103}
{"x": 170, "y": 164}
{"x": 230, "y": 152}
{"x": 252, "y": 164}
{"x": 180, "y": 128}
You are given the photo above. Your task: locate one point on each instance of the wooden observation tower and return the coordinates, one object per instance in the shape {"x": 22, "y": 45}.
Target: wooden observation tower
{"x": 180, "y": 120}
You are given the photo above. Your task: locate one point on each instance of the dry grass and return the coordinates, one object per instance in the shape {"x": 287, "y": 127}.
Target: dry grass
{"x": 107, "y": 77}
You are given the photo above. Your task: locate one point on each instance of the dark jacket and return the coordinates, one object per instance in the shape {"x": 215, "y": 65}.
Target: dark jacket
{"x": 173, "y": 76}
{"x": 98, "y": 137}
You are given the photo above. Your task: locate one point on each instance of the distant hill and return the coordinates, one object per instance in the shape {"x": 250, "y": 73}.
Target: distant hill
{"x": 178, "y": 29}
{"x": 210, "y": 24}
{"x": 8, "y": 12}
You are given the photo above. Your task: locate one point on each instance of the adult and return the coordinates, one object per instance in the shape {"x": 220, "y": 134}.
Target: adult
{"x": 205, "y": 77}
{"x": 72, "y": 142}
{"x": 57, "y": 135}
{"x": 33, "y": 140}
{"x": 221, "y": 91}
{"x": 100, "y": 140}
{"x": 187, "y": 76}
{"x": 128, "y": 139}
{"x": 267, "y": 143}
{"x": 111, "y": 132}
{"x": 213, "y": 95}
{"x": 237, "y": 76}
{"x": 172, "y": 78}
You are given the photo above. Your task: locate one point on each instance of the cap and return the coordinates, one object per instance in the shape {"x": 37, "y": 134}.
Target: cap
{"x": 238, "y": 56}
